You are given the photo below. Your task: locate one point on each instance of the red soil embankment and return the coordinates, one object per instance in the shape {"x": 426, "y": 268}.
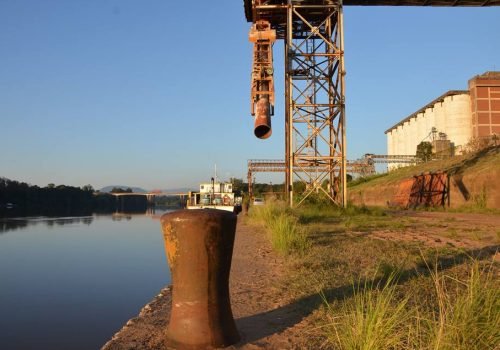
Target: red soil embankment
{"x": 474, "y": 180}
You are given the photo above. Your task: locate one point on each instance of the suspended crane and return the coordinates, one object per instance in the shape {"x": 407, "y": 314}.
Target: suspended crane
{"x": 313, "y": 34}
{"x": 262, "y": 81}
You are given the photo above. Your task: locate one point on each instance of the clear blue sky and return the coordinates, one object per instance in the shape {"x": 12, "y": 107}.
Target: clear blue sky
{"x": 154, "y": 93}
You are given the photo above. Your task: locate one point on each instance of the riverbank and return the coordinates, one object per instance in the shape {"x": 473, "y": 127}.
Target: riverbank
{"x": 300, "y": 300}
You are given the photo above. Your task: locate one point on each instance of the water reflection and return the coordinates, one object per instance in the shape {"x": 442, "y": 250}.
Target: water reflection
{"x": 72, "y": 282}
{"x": 154, "y": 213}
{"x": 119, "y": 217}
{"x": 14, "y": 224}
{"x": 20, "y": 223}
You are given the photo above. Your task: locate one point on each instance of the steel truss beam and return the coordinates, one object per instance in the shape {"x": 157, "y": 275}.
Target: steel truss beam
{"x": 315, "y": 103}
{"x": 392, "y": 158}
{"x": 278, "y": 166}
{"x": 360, "y": 167}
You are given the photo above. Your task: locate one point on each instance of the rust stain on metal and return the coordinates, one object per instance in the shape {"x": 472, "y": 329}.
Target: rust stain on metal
{"x": 171, "y": 244}
{"x": 262, "y": 80}
{"x": 262, "y": 127}
{"x": 201, "y": 245}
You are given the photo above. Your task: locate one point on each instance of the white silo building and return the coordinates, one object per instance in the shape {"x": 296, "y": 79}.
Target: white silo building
{"x": 458, "y": 115}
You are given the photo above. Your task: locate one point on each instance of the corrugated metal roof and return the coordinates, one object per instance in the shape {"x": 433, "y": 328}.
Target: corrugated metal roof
{"x": 429, "y": 105}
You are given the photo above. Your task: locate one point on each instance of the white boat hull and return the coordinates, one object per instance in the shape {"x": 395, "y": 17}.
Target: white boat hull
{"x": 207, "y": 206}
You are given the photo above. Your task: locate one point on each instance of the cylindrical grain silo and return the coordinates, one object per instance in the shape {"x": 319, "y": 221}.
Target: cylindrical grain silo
{"x": 389, "y": 142}
{"x": 423, "y": 127}
{"x": 458, "y": 119}
{"x": 401, "y": 137}
{"x": 440, "y": 117}
{"x": 421, "y": 132}
{"x": 406, "y": 133}
{"x": 411, "y": 149}
{"x": 431, "y": 118}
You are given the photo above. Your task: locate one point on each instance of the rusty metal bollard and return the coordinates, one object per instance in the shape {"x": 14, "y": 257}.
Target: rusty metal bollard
{"x": 199, "y": 247}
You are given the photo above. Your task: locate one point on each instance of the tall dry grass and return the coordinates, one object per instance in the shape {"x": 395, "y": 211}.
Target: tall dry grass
{"x": 468, "y": 315}
{"x": 463, "y": 314}
{"x": 373, "y": 319}
{"x": 286, "y": 234}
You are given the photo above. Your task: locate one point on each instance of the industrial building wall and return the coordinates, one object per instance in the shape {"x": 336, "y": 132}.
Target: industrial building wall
{"x": 485, "y": 104}
{"x": 451, "y": 115}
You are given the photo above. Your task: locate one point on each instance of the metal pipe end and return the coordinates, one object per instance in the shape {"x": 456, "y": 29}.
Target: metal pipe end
{"x": 262, "y": 126}
{"x": 263, "y": 131}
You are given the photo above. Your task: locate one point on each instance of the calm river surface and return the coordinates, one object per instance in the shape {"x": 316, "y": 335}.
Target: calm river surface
{"x": 71, "y": 283}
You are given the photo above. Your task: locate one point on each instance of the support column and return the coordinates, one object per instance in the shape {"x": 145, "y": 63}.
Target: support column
{"x": 288, "y": 110}
{"x": 315, "y": 104}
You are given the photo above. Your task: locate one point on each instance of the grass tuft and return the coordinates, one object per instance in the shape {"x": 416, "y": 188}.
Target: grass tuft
{"x": 462, "y": 314}
{"x": 286, "y": 234}
{"x": 374, "y": 319}
{"x": 468, "y": 316}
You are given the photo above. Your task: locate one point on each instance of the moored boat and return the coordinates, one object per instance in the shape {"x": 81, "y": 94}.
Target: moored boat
{"x": 215, "y": 195}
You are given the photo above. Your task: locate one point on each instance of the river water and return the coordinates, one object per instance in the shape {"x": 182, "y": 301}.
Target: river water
{"x": 71, "y": 283}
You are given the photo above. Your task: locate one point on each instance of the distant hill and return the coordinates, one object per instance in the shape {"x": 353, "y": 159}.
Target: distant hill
{"x": 134, "y": 189}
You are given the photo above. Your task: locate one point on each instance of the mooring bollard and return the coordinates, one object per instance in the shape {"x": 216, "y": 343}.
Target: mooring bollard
{"x": 199, "y": 246}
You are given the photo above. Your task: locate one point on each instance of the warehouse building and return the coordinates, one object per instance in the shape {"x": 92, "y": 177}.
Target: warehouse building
{"x": 450, "y": 121}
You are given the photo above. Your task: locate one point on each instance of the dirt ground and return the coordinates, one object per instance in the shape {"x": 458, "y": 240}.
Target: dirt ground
{"x": 265, "y": 316}
{"x": 440, "y": 229}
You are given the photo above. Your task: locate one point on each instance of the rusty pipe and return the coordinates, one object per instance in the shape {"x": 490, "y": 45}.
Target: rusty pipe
{"x": 262, "y": 126}
{"x": 199, "y": 247}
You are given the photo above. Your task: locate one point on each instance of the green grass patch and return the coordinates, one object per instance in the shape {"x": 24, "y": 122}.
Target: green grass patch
{"x": 363, "y": 179}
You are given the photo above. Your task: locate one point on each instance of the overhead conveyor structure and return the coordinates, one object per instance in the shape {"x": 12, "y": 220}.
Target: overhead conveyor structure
{"x": 315, "y": 121}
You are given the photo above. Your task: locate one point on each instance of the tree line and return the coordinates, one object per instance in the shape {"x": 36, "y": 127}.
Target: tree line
{"x": 20, "y": 198}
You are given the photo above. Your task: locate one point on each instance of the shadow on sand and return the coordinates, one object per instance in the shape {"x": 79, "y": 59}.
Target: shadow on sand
{"x": 275, "y": 321}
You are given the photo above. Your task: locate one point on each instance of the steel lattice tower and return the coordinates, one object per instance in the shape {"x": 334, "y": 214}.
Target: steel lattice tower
{"x": 315, "y": 121}
{"x": 315, "y": 103}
